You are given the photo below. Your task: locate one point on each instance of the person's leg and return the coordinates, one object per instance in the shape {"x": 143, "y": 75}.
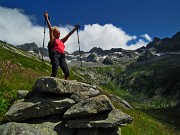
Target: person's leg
{"x": 55, "y": 64}
{"x": 64, "y": 67}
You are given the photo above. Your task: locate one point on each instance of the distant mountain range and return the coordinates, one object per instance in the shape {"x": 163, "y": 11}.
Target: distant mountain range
{"x": 33, "y": 48}
{"x": 115, "y": 55}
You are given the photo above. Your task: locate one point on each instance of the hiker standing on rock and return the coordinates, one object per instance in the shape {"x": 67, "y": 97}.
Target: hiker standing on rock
{"x": 58, "y": 53}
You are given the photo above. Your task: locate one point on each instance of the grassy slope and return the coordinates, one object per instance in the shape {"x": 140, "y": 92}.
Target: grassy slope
{"x": 17, "y": 72}
{"x": 143, "y": 124}
{"x": 20, "y": 72}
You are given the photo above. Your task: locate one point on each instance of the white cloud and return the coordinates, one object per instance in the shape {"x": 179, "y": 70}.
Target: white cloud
{"x": 106, "y": 37}
{"x": 16, "y": 28}
{"x": 139, "y": 44}
{"x": 147, "y": 37}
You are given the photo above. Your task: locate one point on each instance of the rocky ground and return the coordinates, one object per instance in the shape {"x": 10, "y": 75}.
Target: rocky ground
{"x": 56, "y": 106}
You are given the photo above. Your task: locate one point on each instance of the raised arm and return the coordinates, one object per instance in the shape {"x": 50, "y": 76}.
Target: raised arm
{"x": 49, "y": 26}
{"x": 69, "y": 34}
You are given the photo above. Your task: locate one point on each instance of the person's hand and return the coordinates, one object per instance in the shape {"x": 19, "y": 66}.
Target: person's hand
{"x": 46, "y": 15}
{"x": 77, "y": 26}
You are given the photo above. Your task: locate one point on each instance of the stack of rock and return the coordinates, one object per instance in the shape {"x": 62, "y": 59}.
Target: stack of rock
{"x": 61, "y": 107}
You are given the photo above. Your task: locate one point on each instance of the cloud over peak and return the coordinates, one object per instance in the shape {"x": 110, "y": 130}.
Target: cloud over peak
{"x": 147, "y": 37}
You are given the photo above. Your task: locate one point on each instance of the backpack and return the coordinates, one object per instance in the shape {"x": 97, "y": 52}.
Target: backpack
{"x": 50, "y": 47}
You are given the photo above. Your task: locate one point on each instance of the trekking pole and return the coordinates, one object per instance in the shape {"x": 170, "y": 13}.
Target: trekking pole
{"x": 44, "y": 37}
{"x": 79, "y": 47}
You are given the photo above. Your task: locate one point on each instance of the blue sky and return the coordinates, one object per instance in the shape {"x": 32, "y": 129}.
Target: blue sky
{"x": 126, "y": 24}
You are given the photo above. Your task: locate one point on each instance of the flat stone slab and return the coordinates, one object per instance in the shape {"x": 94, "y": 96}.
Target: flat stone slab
{"x": 114, "y": 119}
{"x": 89, "y": 107}
{"x": 13, "y": 128}
{"x": 38, "y": 107}
{"x": 60, "y": 86}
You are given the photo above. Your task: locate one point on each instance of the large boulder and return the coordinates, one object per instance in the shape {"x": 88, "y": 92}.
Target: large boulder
{"x": 38, "y": 107}
{"x": 113, "y": 119}
{"x": 14, "y": 128}
{"x": 59, "y": 86}
{"x": 89, "y": 107}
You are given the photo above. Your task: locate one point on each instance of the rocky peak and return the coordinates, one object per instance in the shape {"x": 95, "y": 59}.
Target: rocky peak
{"x": 77, "y": 53}
{"x": 33, "y": 48}
{"x": 176, "y": 36}
{"x": 97, "y": 50}
{"x": 29, "y": 47}
{"x": 166, "y": 44}
{"x": 116, "y": 50}
{"x": 155, "y": 39}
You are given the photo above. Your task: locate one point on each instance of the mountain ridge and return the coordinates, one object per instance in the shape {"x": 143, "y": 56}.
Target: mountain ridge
{"x": 97, "y": 55}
